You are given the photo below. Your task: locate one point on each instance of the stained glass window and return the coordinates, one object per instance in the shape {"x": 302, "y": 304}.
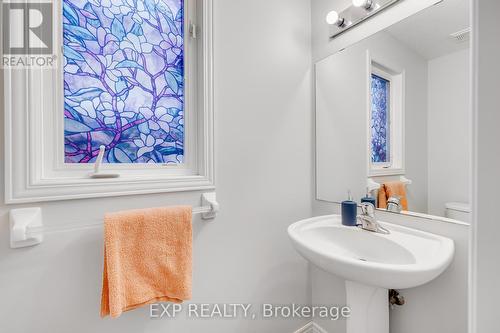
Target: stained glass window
{"x": 380, "y": 114}
{"x": 124, "y": 80}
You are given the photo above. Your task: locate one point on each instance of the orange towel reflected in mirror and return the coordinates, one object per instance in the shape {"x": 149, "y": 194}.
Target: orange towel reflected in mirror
{"x": 392, "y": 189}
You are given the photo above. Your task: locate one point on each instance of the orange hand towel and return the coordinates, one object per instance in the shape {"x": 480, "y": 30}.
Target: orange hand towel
{"x": 392, "y": 189}
{"x": 147, "y": 258}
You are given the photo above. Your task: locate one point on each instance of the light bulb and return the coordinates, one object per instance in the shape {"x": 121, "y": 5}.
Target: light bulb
{"x": 367, "y": 4}
{"x": 333, "y": 18}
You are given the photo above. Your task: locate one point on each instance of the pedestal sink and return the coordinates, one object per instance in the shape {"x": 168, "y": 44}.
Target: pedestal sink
{"x": 371, "y": 263}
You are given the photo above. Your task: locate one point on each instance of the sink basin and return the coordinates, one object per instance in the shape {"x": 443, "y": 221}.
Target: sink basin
{"x": 404, "y": 258}
{"x": 371, "y": 263}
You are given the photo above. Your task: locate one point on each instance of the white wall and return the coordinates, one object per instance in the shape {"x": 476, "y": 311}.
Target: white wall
{"x": 486, "y": 137}
{"x": 341, "y": 124}
{"x": 263, "y": 170}
{"x": 449, "y": 138}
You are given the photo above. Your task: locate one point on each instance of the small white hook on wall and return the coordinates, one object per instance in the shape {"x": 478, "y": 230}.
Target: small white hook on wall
{"x": 405, "y": 180}
{"x": 209, "y": 199}
{"x": 97, "y": 166}
{"x": 20, "y": 220}
{"x": 372, "y": 185}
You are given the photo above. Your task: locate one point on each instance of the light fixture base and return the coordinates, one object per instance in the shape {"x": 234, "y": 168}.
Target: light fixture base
{"x": 353, "y": 16}
{"x": 368, "y": 5}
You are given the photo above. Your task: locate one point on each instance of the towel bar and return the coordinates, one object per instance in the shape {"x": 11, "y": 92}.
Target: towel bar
{"x": 372, "y": 185}
{"x": 27, "y": 229}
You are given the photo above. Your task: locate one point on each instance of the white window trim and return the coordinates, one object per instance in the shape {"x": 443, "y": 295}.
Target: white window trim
{"x": 34, "y": 172}
{"x": 396, "y": 119}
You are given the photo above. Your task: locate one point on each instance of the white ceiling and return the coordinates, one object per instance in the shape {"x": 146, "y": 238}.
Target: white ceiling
{"x": 428, "y": 32}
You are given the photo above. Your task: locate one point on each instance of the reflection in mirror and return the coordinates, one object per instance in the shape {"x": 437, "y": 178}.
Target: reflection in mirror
{"x": 393, "y": 116}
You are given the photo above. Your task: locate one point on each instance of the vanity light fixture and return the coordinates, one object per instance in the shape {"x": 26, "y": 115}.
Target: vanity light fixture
{"x": 359, "y": 11}
{"x": 366, "y": 4}
{"x": 334, "y": 18}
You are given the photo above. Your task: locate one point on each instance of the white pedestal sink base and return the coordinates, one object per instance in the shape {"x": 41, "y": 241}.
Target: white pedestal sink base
{"x": 369, "y": 308}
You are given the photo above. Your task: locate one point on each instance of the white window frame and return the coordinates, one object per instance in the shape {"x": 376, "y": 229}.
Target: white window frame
{"x": 34, "y": 133}
{"x": 396, "y": 163}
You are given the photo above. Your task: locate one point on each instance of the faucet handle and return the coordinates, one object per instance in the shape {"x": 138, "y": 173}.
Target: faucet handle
{"x": 368, "y": 221}
{"x": 368, "y": 209}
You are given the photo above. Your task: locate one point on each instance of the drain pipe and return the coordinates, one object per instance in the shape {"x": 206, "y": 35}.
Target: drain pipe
{"x": 395, "y": 298}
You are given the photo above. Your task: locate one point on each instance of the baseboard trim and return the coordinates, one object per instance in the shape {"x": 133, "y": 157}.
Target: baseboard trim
{"x": 307, "y": 328}
{"x": 318, "y": 329}
{"x": 311, "y": 327}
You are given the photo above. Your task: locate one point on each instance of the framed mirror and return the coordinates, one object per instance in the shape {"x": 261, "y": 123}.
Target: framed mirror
{"x": 401, "y": 100}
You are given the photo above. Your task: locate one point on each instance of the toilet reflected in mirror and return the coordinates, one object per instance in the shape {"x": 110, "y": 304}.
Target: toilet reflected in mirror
{"x": 393, "y": 116}
{"x": 458, "y": 211}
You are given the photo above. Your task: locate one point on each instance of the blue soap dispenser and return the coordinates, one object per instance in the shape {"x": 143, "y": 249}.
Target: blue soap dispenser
{"x": 369, "y": 198}
{"x": 349, "y": 212}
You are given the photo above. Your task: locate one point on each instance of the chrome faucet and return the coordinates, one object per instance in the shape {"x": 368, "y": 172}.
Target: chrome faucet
{"x": 394, "y": 205}
{"x": 368, "y": 221}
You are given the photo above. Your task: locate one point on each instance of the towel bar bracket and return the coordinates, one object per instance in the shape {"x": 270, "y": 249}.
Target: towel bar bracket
{"x": 20, "y": 220}
{"x": 208, "y": 199}
{"x": 27, "y": 229}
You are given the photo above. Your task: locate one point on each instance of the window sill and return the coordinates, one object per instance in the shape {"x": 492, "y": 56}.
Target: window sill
{"x": 84, "y": 188}
{"x": 386, "y": 172}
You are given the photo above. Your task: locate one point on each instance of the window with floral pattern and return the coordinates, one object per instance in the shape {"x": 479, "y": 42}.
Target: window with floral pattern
{"x": 380, "y": 116}
{"x": 124, "y": 80}
{"x": 134, "y": 76}
{"x": 386, "y": 120}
